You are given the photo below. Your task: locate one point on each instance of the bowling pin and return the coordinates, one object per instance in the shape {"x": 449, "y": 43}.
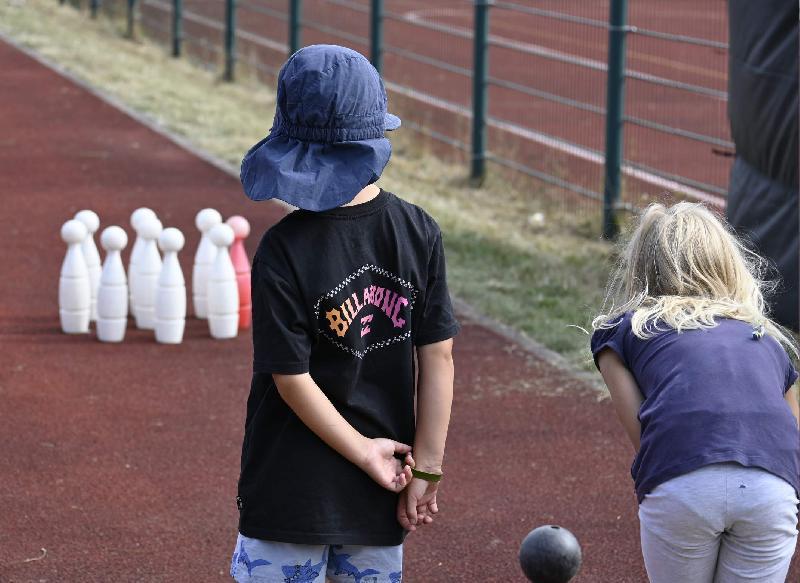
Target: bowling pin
{"x": 241, "y": 264}
{"x": 112, "y": 294}
{"x": 171, "y": 290}
{"x": 138, "y": 243}
{"x": 147, "y": 269}
{"x": 223, "y": 293}
{"x": 74, "y": 293}
{"x": 90, "y": 254}
{"x": 203, "y": 260}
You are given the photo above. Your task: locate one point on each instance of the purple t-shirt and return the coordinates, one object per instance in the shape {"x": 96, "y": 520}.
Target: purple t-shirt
{"x": 710, "y": 396}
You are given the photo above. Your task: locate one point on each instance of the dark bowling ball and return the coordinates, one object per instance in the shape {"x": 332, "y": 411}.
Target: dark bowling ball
{"x": 550, "y": 554}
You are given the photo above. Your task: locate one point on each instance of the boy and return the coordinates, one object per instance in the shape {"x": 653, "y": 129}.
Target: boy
{"x": 350, "y": 308}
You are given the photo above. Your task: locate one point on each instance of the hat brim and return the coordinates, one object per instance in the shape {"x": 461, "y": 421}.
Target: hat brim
{"x": 311, "y": 175}
{"x": 391, "y": 122}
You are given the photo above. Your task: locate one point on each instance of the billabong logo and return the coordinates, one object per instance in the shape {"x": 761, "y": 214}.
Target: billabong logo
{"x": 388, "y": 301}
{"x": 370, "y": 309}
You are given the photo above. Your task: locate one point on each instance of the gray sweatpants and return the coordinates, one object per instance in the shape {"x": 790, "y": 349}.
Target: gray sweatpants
{"x": 723, "y": 523}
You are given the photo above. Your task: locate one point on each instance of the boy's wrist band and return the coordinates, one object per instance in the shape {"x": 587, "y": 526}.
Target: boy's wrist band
{"x": 427, "y": 476}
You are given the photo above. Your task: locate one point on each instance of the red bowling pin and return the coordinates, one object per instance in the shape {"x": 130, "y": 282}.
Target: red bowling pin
{"x": 241, "y": 229}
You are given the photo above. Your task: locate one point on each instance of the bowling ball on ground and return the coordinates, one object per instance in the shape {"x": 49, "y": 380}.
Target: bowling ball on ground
{"x": 550, "y": 554}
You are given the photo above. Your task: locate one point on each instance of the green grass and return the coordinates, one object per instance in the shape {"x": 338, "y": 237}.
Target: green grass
{"x": 537, "y": 293}
{"x": 540, "y": 280}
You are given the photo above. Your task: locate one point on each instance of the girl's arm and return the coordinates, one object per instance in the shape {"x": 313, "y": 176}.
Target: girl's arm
{"x": 794, "y": 404}
{"x": 625, "y": 393}
{"x": 375, "y": 456}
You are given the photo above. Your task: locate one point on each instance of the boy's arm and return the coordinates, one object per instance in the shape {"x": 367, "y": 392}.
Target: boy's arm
{"x": 374, "y": 456}
{"x": 792, "y": 400}
{"x": 434, "y": 400}
{"x": 625, "y": 393}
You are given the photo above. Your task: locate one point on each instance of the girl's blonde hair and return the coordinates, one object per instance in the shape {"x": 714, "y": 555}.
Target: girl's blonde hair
{"x": 681, "y": 269}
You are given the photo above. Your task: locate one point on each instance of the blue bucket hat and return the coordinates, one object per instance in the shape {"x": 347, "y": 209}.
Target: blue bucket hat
{"x": 327, "y": 139}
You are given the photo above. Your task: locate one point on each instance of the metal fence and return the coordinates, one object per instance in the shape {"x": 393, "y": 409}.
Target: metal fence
{"x": 597, "y": 105}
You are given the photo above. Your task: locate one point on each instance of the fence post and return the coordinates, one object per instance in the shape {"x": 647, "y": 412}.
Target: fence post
{"x": 480, "y": 74}
{"x": 177, "y": 27}
{"x": 376, "y": 34}
{"x": 131, "y": 17}
{"x": 615, "y": 102}
{"x": 295, "y": 9}
{"x": 230, "y": 40}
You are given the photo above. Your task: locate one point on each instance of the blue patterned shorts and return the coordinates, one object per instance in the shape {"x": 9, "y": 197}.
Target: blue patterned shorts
{"x": 261, "y": 561}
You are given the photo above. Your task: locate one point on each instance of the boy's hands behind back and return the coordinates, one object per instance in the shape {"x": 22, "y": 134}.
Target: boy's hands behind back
{"x": 380, "y": 463}
{"x": 417, "y": 502}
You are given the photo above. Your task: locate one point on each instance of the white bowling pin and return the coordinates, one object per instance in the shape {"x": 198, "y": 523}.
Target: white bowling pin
{"x": 74, "y": 291}
{"x": 147, "y": 269}
{"x": 171, "y": 290}
{"x": 90, "y": 254}
{"x": 203, "y": 260}
{"x": 112, "y": 295}
{"x": 136, "y": 250}
{"x": 223, "y": 291}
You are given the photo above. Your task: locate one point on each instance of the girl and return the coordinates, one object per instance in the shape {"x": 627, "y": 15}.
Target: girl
{"x": 704, "y": 389}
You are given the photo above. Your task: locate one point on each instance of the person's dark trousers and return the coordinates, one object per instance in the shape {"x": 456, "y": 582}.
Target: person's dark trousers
{"x": 766, "y": 212}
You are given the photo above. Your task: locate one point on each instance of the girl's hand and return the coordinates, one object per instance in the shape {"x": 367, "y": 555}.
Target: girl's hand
{"x": 417, "y": 504}
{"x": 380, "y": 463}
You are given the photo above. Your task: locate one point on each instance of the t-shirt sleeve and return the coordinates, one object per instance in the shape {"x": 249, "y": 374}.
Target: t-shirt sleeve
{"x": 612, "y": 338}
{"x": 282, "y": 330}
{"x": 790, "y": 371}
{"x": 436, "y": 320}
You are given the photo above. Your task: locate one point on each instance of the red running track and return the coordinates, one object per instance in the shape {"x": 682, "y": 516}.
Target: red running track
{"x": 121, "y": 460}
{"x": 262, "y": 36}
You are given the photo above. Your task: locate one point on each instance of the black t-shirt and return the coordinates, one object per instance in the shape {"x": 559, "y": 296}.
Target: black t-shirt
{"x": 345, "y": 295}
